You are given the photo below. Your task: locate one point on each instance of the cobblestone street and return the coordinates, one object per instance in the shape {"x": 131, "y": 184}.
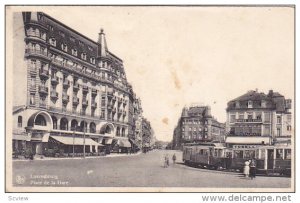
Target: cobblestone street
{"x": 143, "y": 170}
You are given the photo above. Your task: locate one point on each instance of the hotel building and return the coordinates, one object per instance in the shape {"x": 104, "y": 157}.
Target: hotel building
{"x": 68, "y": 89}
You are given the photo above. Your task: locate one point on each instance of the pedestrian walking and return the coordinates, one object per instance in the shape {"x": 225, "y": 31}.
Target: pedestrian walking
{"x": 174, "y": 158}
{"x": 252, "y": 169}
{"x": 246, "y": 169}
{"x": 166, "y": 161}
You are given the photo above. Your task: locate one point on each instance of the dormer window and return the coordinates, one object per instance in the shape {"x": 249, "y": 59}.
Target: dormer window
{"x": 52, "y": 41}
{"x": 93, "y": 60}
{"x": 61, "y": 33}
{"x": 74, "y": 52}
{"x": 64, "y": 47}
{"x": 83, "y": 56}
{"x": 237, "y": 104}
{"x": 90, "y": 48}
{"x": 72, "y": 39}
{"x": 263, "y": 104}
{"x": 80, "y": 43}
{"x": 250, "y": 104}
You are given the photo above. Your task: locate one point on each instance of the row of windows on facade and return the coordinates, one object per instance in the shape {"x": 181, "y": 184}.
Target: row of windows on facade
{"x": 258, "y": 116}
{"x": 193, "y": 122}
{"x": 72, "y": 39}
{"x": 83, "y": 110}
{"x": 250, "y": 104}
{"x": 40, "y": 120}
{"x": 257, "y": 130}
{"x": 52, "y": 41}
{"x": 83, "y": 69}
{"x": 280, "y": 154}
{"x": 195, "y": 136}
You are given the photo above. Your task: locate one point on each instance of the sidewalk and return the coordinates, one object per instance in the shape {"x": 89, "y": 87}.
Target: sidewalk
{"x": 87, "y": 157}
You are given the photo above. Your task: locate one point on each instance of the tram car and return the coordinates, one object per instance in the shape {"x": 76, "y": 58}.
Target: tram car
{"x": 269, "y": 159}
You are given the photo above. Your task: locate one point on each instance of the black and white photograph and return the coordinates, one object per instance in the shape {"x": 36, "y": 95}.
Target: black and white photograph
{"x": 150, "y": 98}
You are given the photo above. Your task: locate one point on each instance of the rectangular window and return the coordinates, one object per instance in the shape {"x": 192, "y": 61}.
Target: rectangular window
{"x": 279, "y": 153}
{"x": 32, "y": 81}
{"x": 241, "y": 116}
{"x": 267, "y": 117}
{"x": 32, "y": 99}
{"x": 278, "y": 132}
{"x": 278, "y": 119}
{"x": 102, "y": 114}
{"x": 287, "y": 154}
{"x": 232, "y": 118}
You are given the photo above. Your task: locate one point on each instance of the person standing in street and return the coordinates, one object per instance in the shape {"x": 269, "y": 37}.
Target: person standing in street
{"x": 252, "y": 169}
{"x": 247, "y": 169}
{"x": 174, "y": 158}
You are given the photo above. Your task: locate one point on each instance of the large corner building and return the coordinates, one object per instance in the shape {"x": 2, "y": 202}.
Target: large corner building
{"x": 68, "y": 89}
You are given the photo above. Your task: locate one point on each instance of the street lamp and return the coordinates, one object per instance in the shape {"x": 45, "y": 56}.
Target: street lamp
{"x": 84, "y": 127}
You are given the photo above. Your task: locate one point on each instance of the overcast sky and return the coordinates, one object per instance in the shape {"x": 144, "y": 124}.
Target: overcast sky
{"x": 176, "y": 56}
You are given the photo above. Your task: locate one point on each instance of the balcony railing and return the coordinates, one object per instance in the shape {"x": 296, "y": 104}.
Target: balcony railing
{"x": 94, "y": 105}
{"x": 33, "y": 70}
{"x": 258, "y": 120}
{"x": 54, "y": 80}
{"x": 232, "y": 134}
{"x": 54, "y": 94}
{"x": 65, "y": 98}
{"x": 75, "y": 86}
{"x": 44, "y": 74}
{"x": 75, "y": 100}
{"x": 43, "y": 89}
{"x": 36, "y": 52}
{"x": 94, "y": 92}
{"x": 85, "y": 102}
{"x": 85, "y": 89}
{"x": 66, "y": 83}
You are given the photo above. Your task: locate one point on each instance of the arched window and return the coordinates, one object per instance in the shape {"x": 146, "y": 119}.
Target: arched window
{"x": 74, "y": 125}
{"x": 40, "y": 120}
{"x": 118, "y": 131}
{"x": 54, "y": 122}
{"x": 64, "y": 124}
{"x": 123, "y": 132}
{"x": 83, "y": 126}
{"x": 20, "y": 121}
{"x": 93, "y": 127}
{"x": 107, "y": 129}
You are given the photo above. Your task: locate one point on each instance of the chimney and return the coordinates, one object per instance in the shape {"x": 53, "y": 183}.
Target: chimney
{"x": 270, "y": 93}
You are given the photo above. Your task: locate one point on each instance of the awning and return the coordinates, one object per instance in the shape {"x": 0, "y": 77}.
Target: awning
{"x": 75, "y": 140}
{"x": 108, "y": 140}
{"x": 124, "y": 143}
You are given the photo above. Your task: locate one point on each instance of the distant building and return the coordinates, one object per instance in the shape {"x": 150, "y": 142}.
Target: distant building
{"x": 256, "y": 119}
{"x": 196, "y": 125}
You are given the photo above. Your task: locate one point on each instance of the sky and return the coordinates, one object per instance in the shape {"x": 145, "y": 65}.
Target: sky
{"x": 179, "y": 56}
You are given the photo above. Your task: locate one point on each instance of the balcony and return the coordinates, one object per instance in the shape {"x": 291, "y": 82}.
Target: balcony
{"x": 85, "y": 102}
{"x": 54, "y": 80}
{"x": 258, "y": 120}
{"x": 94, "y": 92}
{"x": 94, "y": 104}
{"x": 54, "y": 95}
{"x": 37, "y": 53}
{"x": 66, "y": 83}
{"x": 44, "y": 74}
{"x": 85, "y": 89}
{"x": 43, "y": 90}
{"x": 76, "y": 86}
{"x": 65, "y": 98}
{"x": 75, "y": 101}
{"x": 33, "y": 70}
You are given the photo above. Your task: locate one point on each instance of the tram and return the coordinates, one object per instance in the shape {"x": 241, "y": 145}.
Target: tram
{"x": 269, "y": 159}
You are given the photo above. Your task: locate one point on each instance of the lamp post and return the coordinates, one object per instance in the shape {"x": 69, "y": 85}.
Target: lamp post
{"x": 74, "y": 141}
{"x": 84, "y": 127}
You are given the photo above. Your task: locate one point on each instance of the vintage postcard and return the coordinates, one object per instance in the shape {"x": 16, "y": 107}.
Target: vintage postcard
{"x": 150, "y": 98}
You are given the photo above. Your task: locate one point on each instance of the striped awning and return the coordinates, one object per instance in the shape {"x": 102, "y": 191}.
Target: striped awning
{"x": 75, "y": 141}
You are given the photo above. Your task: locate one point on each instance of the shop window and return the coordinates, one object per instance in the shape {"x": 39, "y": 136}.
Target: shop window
{"x": 19, "y": 121}
{"x": 287, "y": 154}
{"x": 279, "y": 154}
